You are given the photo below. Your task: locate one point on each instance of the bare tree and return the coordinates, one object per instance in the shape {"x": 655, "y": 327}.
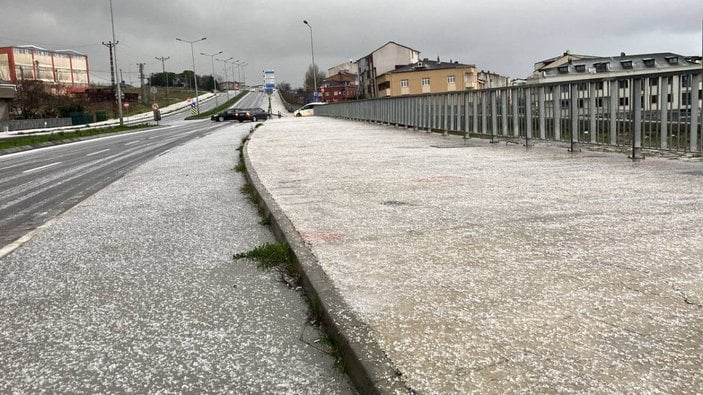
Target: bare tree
{"x": 310, "y": 81}
{"x": 31, "y": 99}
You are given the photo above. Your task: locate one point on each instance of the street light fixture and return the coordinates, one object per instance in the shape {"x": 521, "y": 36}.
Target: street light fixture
{"x": 314, "y": 70}
{"x": 214, "y": 83}
{"x": 195, "y": 80}
{"x": 224, "y": 64}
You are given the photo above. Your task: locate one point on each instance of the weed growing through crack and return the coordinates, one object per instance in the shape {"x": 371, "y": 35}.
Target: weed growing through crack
{"x": 250, "y": 192}
{"x": 268, "y": 255}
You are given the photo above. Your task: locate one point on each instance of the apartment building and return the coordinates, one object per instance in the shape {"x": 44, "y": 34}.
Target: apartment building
{"x": 427, "y": 76}
{"x": 609, "y": 79}
{"x": 28, "y": 62}
{"x": 339, "y": 87}
{"x": 382, "y": 60}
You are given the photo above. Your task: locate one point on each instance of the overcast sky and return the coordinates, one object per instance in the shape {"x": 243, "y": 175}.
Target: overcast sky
{"x": 504, "y": 36}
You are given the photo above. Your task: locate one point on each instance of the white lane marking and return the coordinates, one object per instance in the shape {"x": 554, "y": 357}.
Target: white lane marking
{"x": 132, "y": 142}
{"x": 19, "y": 242}
{"x": 98, "y": 152}
{"x": 41, "y": 167}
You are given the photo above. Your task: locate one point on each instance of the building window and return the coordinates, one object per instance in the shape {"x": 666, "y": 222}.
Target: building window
{"x": 403, "y": 83}
{"x": 451, "y": 79}
{"x": 686, "y": 80}
{"x": 599, "y": 85}
{"x": 564, "y": 103}
{"x": 649, "y": 62}
{"x": 580, "y": 68}
{"x": 653, "y": 81}
{"x": 626, "y": 64}
{"x": 425, "y": 81}
{"x": 601, "y": 67}
{"x": 623, "y": 84}
{"x": 563, "y": 69}
{"x": 624, "y": 101}
{"x": 654, "y": 99}
{"x": 686, "y": 99}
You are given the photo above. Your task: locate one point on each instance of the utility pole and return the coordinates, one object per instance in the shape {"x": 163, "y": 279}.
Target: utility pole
{"x": 141, "y": 81}
{"x": 119, "y": 84}
{"x": 110, "y": 45}
{"x": 163, "y": 68}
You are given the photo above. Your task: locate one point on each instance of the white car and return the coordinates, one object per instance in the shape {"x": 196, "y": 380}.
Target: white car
{"x": 307, "y": 110}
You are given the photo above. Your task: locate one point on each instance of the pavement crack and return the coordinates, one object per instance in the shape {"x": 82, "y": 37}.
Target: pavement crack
{"x": 686, "y": 298}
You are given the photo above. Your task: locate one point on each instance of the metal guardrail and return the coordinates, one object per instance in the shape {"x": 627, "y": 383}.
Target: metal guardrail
{"x": 660, "y": 110}
{"x": 25, "y": 124}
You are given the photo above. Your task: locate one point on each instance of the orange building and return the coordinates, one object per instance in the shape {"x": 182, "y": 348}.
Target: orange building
{"x": 27, "y": 62}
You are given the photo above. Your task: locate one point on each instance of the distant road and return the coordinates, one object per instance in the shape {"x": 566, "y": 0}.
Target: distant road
{"x": 37, "y": 185}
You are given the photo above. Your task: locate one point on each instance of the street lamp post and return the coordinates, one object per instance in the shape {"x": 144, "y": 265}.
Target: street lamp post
{"x": 214, "y": 84}
{"x": 195, "y": 80}
{"x": 224, "y": 64}
{"x": 314, "y": 70}
{"x": 239, "y": 72}
{"x": 243, "y": 83}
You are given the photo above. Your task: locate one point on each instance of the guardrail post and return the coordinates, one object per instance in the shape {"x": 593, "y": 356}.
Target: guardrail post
{"x": 528, "y": 115}
{"x": 474, "y": 107}
{"x": 573, "y": 101}
{"x": 446, "y": 113}
{"x": 542, "y": 113}
{"x": 592, "y": 112}
{"x": 504, "y": 111}
{"x": 494, "y": 115}
{"x": 556, "y": 111}
{"x": 484, "y": 111}
{"x": 614, "y": 88}
{"x": 637, "y": 118}
{"x": 663, "y": 113}
{"x": 516, "y": 113}
{"x": 695, "y": 110}
{"x": 465, "y": 97}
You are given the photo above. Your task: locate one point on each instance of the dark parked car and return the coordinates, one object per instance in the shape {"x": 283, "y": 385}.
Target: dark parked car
{"x": 251, "y": 114}
{"x": 227, "y": 115}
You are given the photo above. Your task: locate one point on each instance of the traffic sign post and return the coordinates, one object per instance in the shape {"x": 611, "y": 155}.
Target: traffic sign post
{"x": 269, "y": 85}
{"x": 157, "y": 113}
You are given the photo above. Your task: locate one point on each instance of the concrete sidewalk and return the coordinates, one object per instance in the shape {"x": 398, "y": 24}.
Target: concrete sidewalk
{"x": 135, "y": 290}
{"x": 490, "y": 268}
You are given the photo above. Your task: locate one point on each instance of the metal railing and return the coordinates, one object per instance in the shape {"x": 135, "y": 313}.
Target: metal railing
{"x": 25, "y": 124}
{"x": 659, "y": 110}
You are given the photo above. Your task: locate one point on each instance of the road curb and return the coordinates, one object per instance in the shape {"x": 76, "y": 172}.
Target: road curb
{"x": 368, "y": 367}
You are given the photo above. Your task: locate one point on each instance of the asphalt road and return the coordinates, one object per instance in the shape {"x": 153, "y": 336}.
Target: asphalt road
{"x": 37, "y": 185}
{"x": 134, "y": 289}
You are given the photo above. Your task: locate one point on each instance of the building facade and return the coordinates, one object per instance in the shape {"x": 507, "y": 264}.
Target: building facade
{"x": 349, "y": 67}
{"x": 427, "y": 76}
{"x": 607, "y": 80}
{"x": 339, "y": 87}
{"x": 27, "y": 62}
{"x": 382, "y": 60}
